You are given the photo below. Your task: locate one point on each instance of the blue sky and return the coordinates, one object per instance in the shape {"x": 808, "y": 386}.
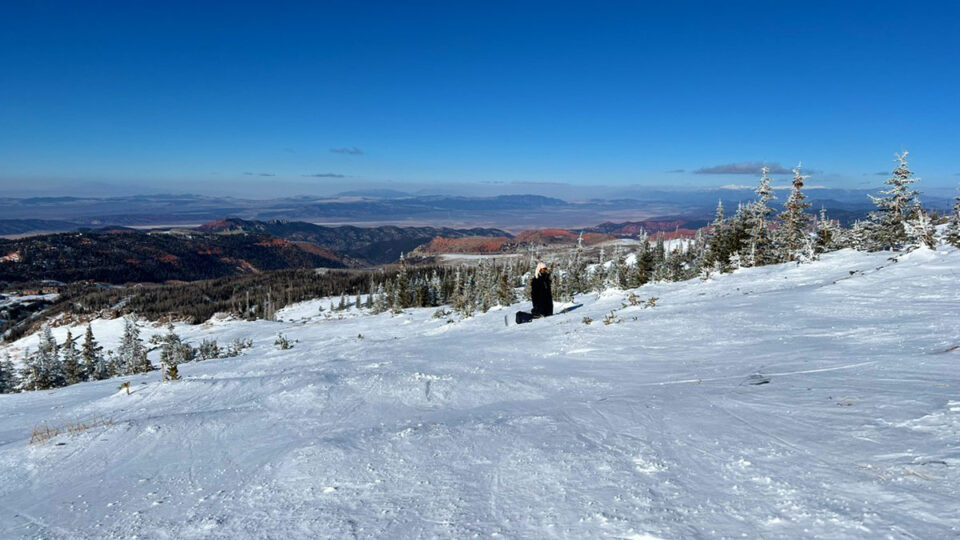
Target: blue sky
{"x": 314, "y": 97}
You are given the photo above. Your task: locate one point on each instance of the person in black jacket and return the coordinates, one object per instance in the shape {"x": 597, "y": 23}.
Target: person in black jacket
{"x": 541, "y": 295}
{"x": 540, "y": 292}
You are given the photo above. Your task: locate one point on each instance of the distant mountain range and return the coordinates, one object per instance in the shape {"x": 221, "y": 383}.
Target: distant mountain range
{"x": 391, "y": 207}
{"x": 361, "y": 245}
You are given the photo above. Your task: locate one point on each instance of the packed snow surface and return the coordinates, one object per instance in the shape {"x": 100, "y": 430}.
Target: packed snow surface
{"x": 820, "y": 400}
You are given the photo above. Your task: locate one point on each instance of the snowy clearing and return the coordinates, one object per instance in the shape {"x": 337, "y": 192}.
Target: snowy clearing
{"x": 787, "y": 401}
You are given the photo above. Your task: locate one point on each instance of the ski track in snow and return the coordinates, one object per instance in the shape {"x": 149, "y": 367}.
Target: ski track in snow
{"x": 789, "y": 401}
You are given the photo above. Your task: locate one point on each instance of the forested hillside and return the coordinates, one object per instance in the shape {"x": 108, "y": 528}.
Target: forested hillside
{"x": 132, "y": 256}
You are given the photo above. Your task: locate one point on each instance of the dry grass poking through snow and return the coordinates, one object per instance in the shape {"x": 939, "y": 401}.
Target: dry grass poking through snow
{"x": 45, "y": 432}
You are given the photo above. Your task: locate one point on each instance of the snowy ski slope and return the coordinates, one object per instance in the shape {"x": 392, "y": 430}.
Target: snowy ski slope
{"x": 818, "y": 401}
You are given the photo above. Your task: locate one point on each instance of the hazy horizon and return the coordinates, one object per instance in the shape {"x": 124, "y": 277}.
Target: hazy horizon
{"x": 282, "y": 190}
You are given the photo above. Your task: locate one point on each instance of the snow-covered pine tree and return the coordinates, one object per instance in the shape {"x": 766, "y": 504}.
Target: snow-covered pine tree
{"x": 617, "y": 276}
{"x": 598, "y": 278}
{"x": 371, "y": 293}
{"x": 282, "y": 342}
{"x": 209, "y": 349}
{"x": 382, "y": 301}
{"x": 506, "y": 295}
{"x": 73, "y": 370}
{"x": 435, "y": 290}
{"x": 470, "y": 293}
{"x": 402, "y": 285}
{"x": 487, "y": 285}
{"x": 738, "y": 237}
{"x": 952, "y": 233}
{"x": 32, "y": 373}
{"x": 173, "y": 351}
{"x": 455, "y": 298}
{"x": 861, "y": 236}
{"x": 828, "y": 234}
{"x": 92, "y": 354}
{"x": 759, "y": 242}
{"x": 896, "y": 205}
{"x": 131, "y": 355}
{"x": 577, "y": 267}
{"x": 697, "y": 252}
{"x": 661, "y": 270}
{"x": 659, "y": 250}
{"x": 396, "y": 301}
{"x": 794, "y": 242}
{"x": 639, "y": 272}
{"x": 9, "y": 381}
{"x": 171, "y": 373}
{"x": 42, "y": 370}
{"x": 716, "y": 241}
{"x": 676, "y": 263}
{"x": 920, "y": 230}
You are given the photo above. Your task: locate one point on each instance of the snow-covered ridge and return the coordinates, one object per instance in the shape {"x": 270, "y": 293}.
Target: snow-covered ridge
{"x": 784, "y": 401}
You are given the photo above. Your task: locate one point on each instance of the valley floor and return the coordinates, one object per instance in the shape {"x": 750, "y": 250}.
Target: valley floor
{"x": 820, "y": 400}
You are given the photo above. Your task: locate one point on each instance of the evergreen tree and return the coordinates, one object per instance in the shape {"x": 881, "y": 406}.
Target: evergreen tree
{"x": 44, "y": 370}
{"x": 33, "y": 372}
{"x": 209, "y": 349}
{"x": 920, "y": 230}
{"x": 48, "y": 344}
{"x": 617, "y": 276}
{"x": 952, "y": 232}
{"x": 659, "y": 251}
{"x": 676, "y": 263}
{"x": 73, "y": 370}
{"x": 506, "y": 295}
{"x": 8, "y": 376}
{"x": 469, "y": 295}
{"x": 577, "y": 268}
{"x": 861, "y": 236}
{"x": 173, "y": 351}
{"x": 381, "y": 302}
{"x": 457, "y": 299}
{"x": 759, "y": 244}
{"x": 895, "y": 207}
{"x": 435, "y": 290}
{"x": 717, "y": 242}
{"x": 486, "y": 288}
{"x": 402, "y": 286}
{"x": 598, "y": 278}
{"x": 371, "y": 293}
{"x": 738, "y": 238}
{"x": 642, "y": 266}
{"x": 793, "y": 233}
{"x": 92, "y": 354}
{"x": 828, "y": 234}
{"x": 396, "y": 298}
{"x": 132, "y": 356}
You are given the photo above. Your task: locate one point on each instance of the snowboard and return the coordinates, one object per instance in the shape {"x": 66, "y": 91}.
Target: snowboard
{"x": 522, "y": 317}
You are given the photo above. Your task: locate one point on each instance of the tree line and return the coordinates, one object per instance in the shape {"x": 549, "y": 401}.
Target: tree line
{"x": 54, "y": 365}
